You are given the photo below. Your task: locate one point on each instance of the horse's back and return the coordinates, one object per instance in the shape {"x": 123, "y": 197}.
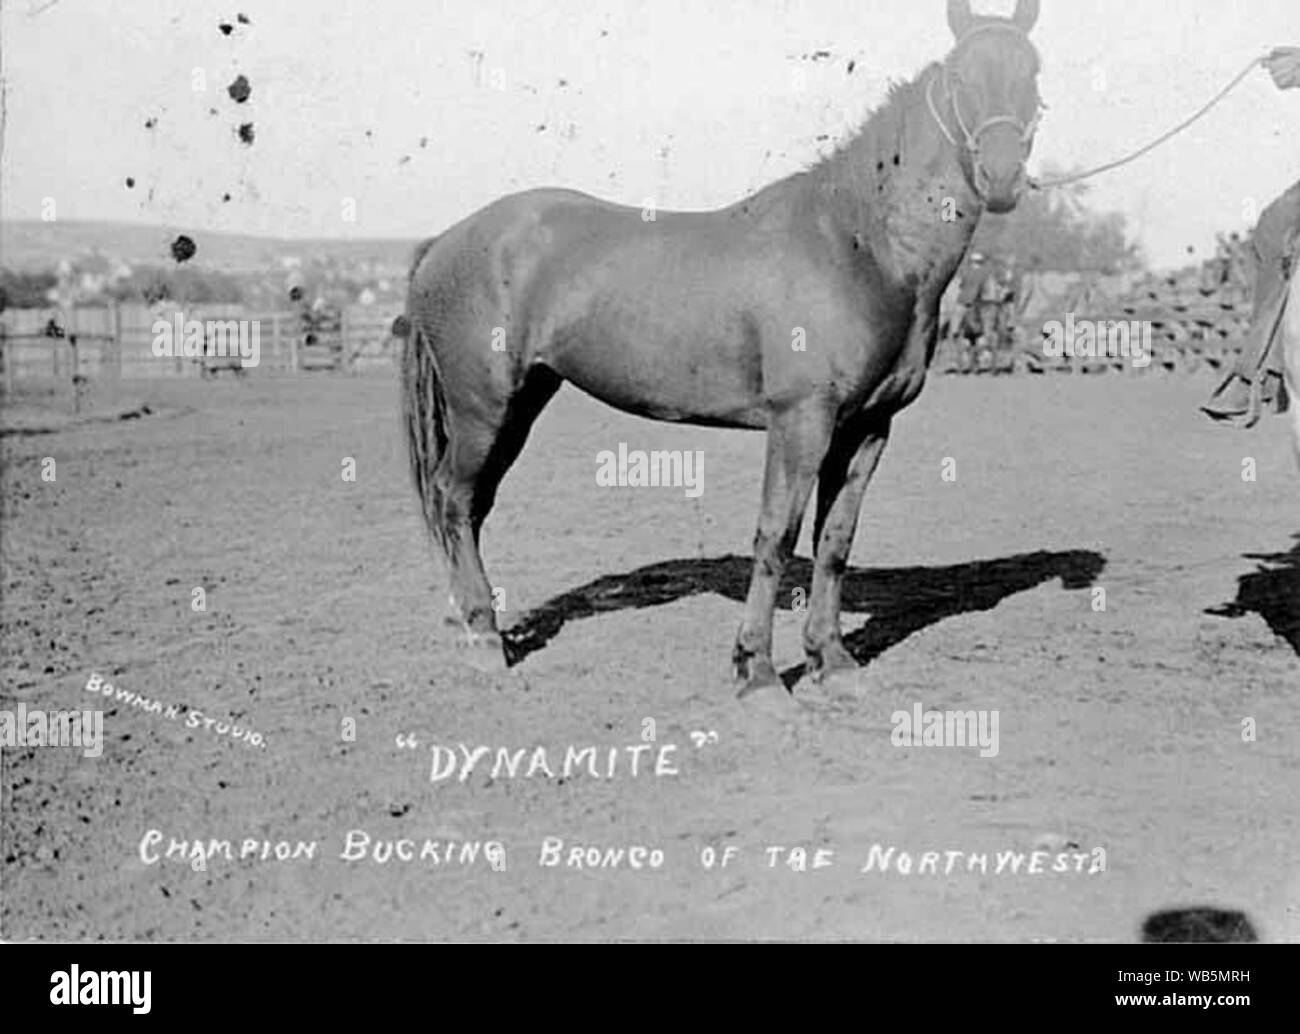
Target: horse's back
{"x": 511, "y": 214}
{"x": 576, "y": 224}
{"x": 489, "y": 256}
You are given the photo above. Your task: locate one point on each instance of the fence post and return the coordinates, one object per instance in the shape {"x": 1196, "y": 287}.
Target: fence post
{"x": 275, "y": 338}
{"x": 7, "y": 357}
{"x": 116, "y": 330}
{"x": 178, "y": 360}
{"x": 76, "y": 371}
{"x": 293, "y": 353}
{"x": 344, "y": 326}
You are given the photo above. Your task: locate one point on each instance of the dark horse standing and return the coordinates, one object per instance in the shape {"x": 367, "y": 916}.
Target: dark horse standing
{"x": 691, "y": 318}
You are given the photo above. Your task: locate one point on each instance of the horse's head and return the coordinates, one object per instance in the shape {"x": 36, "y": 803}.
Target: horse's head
{"x": 992, "y": 103}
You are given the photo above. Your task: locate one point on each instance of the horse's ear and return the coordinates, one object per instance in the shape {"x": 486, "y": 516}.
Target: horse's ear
{"x": 960, "y": 18}
{"x": 1026, "y": 16}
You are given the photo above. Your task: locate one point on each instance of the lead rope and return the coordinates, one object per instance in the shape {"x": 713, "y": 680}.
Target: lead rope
{"x": 1076, "y": 177}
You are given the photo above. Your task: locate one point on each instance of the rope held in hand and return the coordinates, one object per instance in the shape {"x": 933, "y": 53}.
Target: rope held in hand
{"x": 1076, "y": 177}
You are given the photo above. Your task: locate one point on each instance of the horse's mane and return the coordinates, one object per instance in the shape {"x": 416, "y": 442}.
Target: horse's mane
{"x": 862, "y": 165}
{"x": 881, "y": 132}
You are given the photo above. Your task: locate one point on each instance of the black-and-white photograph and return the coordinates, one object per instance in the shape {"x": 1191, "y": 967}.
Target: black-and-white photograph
{"x": 616, "y": 471}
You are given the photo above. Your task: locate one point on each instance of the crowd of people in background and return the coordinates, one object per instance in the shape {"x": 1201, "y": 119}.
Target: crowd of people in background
{"x": 983, "y": 312}
{"x": 988, "y": 302}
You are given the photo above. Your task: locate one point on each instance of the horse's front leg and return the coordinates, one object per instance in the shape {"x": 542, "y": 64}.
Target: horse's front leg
{"x": 797, "y": 440}
{"x": 848, "y": 470}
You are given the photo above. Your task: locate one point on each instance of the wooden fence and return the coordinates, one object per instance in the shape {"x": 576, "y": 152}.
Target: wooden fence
{"x": 116, "y": 342}
{"x": 1186, "y": 335}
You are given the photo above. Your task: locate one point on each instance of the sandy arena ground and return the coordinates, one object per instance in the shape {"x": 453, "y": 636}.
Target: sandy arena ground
{"x": 1120, "y": 730}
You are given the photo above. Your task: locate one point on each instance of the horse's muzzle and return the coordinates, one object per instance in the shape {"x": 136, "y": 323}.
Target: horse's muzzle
{"x": 1001, "y": 193}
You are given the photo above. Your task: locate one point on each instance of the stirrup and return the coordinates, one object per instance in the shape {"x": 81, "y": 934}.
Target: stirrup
{"x": 1243, "y": 419}
{"x": 1228, "y": 415}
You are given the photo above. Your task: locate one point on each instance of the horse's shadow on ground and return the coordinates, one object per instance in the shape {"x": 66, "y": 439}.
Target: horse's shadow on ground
{"x": 901, "y": 601}
{"x": 1272, "y": 591}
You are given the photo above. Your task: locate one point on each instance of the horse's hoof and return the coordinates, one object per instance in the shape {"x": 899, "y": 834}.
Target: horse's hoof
{"x": 828, "y": 660}
{"x": 482, "y": 651}
{"x": 753, "y": 674}
{"x": 832, "y": 687}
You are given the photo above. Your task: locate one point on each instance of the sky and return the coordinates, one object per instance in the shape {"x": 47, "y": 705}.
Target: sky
{"x": 389, "y": 118}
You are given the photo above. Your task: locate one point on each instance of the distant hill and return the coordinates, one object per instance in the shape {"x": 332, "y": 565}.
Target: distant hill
{"x": 35, "y": 245}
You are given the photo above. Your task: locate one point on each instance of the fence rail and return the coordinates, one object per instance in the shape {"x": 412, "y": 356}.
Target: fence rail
{"x": 116, "y": 342}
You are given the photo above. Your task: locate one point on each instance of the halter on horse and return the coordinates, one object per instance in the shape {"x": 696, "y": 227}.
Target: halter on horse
{"x": 969, "y": 31}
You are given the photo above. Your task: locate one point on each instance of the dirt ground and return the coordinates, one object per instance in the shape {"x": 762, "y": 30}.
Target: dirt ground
{"x": 323, "y": 631}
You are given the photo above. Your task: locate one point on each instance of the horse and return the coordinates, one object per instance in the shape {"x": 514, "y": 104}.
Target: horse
{"x": 809, "y": 310}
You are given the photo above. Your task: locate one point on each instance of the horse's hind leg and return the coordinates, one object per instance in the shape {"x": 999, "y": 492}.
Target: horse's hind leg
{"x": 484, "y": 445}
{"x": 797, "y": 441}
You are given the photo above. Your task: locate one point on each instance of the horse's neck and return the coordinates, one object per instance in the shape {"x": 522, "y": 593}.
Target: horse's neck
{"x": 898, "y": 188}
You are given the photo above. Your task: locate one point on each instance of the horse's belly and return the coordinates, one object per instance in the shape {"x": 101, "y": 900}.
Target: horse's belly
{"x": 656, "y": 339}
{"x": 687, "y": 379}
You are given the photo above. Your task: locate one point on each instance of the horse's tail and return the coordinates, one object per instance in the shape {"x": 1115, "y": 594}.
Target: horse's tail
{"x": 424, "y": 408}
